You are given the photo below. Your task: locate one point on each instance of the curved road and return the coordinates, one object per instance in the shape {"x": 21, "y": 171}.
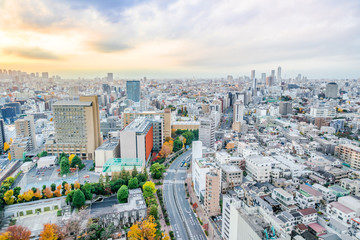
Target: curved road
{"x": 182, "y": 219}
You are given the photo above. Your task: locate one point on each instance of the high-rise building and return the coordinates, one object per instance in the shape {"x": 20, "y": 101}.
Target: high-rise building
{"x": 273, "y": 74}
{"x": 136, "y": 140}
{"x": 133, "y": 90}
{"x": 270, "y": 81}
{"x": 2, "y": 135}
{"x": 285, "y": 108}
{"x": 332, "y": 90}
{"x": 110, "y": 77}
{"x": 279, "y": 73}
{"x": 207, "y": 132}
{"x": 239, "y": 109}
{"x": 263, "y": 78}
{"x": 212, "y": 193}
{"x": 45, "y": 75}
{"x": 77, "y": 128}
{"x": 252, "y": 74}
{"x": 25, "y": 128}
{"x": 254, "y": 87}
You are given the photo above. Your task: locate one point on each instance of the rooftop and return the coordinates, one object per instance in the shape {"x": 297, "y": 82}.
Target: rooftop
{"x": 108, "y": 146}
{"x": 138, "y": 125}
{"x": 341, "y": 207}
{"x": 72, "y": 103}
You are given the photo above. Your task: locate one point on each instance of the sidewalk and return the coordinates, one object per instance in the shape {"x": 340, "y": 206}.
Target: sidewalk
{"x": 200, "y": 213}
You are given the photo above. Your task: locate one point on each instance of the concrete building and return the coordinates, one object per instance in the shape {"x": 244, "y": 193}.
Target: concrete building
{"x": 285, "y": 108}
{"x": 47, "y": 161}
{"x": 106, "y": 151}
{"x": 25, "y": 128}
{"x": 332, "y": 90}
{"x": 207, "y": 133}
{"x": 212, "y": 193}
{"x": 352, "y": 185}
{"x": 133, "y": 90}
{"x": 322, "y": 112}
{"x": 259, "y": 168}
{"x": 158, "y": 136}
{"x": 18, "y": 147}
{"x": 238, "y": 117}
{"x": 340, "y": 212}
{"x": 128, "y": 116}
{"x": 228, "y": 200}
{"x": 136, "y": 140}
{"x": 77, "y": 128}
{"x": 191, "y": 125}
{"x": 231, "y": 176}
{"x": 282, "y": 196}
{"x": 196, "y": 150}
{"x": 200, "y": 167}
{"x": 349, "y": 153}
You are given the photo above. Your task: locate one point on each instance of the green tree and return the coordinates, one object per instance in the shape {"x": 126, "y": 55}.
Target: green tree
{"x": 86, "y": 189}
{"x": 76, "y": 161}
{"x": 78, "y": 199}
{"x": 177, "y": 145}
{"x": 64, "y": 166}
{"x": 153, "y": 211}
{"x": 53, "y": 187}
{"x": 189, "y": 137}
{"x": 133, "y": 183}
{"x": 122, "y": 194}
{"x": 134, "y": 172}
{"x": 157, "y": 170}
{"x": 17, "y": 191}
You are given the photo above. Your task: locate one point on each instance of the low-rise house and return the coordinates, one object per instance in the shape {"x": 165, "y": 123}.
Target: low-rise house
{"x": 340, "y": 212}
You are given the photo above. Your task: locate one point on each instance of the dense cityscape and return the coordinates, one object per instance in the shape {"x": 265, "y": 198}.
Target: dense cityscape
{"x": 258, "y": 157}
{"x": 179, "y": 120}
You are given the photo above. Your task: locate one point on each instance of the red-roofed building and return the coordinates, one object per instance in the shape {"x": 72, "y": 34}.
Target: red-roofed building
{"x": 308, "y": 215}
{"x": 316, "y": 229}
{"x": 340, "y": 212}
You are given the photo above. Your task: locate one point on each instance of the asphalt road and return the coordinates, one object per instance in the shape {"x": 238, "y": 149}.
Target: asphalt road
{"x": 182, "y": 218}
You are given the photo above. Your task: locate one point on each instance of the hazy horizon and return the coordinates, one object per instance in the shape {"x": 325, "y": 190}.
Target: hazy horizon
{"x": 181, "y": 39}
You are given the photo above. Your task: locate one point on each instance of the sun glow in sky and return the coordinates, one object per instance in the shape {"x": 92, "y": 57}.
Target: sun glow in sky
{"x": 181, "y": 38}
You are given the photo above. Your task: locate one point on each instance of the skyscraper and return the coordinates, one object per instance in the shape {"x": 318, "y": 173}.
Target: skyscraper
{"x": 285, "y": 108}
{"x": 263, "y": 78}
{"x": 332, "y": 90}
{"x": 110, "y": 77}
{"x": 252, "y": 74}
{"x": 279, "y": 73}
{"x": 77, "y": 128}
{"x": 45, "y": 75}
{"x": 133, "y": 90}
{"x": 238, "y": 113}
{"x": 273, "y": 74}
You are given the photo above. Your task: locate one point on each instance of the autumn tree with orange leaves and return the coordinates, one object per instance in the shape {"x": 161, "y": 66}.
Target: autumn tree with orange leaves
{"x": 50, "y": 232}
{"x": 48, "y": 193}
{"x": 167, "y": 147}
{"x": 145, "y": 230}
{"x": 16, "y": 233}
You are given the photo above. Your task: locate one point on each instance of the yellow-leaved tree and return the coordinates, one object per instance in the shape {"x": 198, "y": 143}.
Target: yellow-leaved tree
{"x": 71, "y": 158}
{"x": 145, "y": 230}
{"x": 6, "y": 146}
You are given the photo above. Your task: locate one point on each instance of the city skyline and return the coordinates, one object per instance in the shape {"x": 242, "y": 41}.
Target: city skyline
{"x": 180, "y": 39}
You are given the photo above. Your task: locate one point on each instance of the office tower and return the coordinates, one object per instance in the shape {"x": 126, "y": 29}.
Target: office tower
{"x": 263, "y": 78}
{"x": 167, "y": 122}
{"x": 207, "y": 132}
{"x": 254, "y": 87}
{"x": 77, "y": 128}
{"x": 110, "y": 77}
{"x": 45, "y": 75}
{"x": 8, "y": 114}
{"x": 136, "y": 140}
{"x": 279, "y": 73}
{"x": 15, "y": 105}
{"x": 106, "y": 88}
{"x": 252, "y": 74}
{"x": 133, "y": 90}
{"x": 285, "y": 108}
{"x": 269, "y": 81}
{"x": 238, "y": 115}
{"x": 2, "y": 135}
{"x": 25, "y": 128}
{"x": 212, "y": 193}
{"x": 273, "y": 75}
{"x": 332, "y": 90}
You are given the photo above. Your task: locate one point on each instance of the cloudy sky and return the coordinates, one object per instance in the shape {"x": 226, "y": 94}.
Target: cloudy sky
{"x": 136, "y": 38}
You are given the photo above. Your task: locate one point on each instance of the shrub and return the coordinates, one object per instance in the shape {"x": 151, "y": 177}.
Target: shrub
{"x": 59, "y": 213}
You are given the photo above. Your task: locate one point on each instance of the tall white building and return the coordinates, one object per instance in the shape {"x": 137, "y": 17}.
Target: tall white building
{"x": 207, "y": 132}
{"x": 25, "y": 128}
{"x": 279, "y": 73}
{"x": 238, "y": 115}
{"x": 259, "y": 167}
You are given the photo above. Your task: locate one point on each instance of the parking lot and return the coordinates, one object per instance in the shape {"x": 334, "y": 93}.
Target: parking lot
{"x": 49, "y": 175}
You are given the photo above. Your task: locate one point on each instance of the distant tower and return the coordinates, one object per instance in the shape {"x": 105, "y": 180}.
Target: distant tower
{"x": 133, "y": 90}
{"x": 279, "y": 73}
{"x": 45, "y": 75}
{"x": 254, "y": 87}
{"x": 273, "y": 75}
{"x": 252, "y": 74}
{"x": 332, "y": 90}
{"x": 263, "y": 78}
{"x": 110, "y": 77}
